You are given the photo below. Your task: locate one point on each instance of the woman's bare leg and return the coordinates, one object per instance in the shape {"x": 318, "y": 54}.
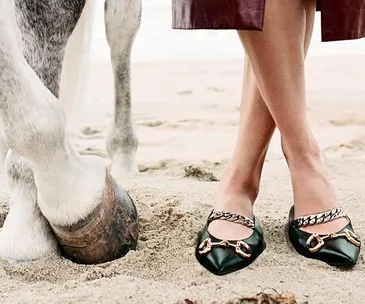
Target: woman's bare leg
{"x": 240, "y": 184}
{"x": 277, "y": 57}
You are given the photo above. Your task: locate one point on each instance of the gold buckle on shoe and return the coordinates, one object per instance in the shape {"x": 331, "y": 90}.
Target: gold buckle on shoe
{"x": 353, "y": 237}
{"x": 241, "y": 247}
{"x": 320, "y": 240}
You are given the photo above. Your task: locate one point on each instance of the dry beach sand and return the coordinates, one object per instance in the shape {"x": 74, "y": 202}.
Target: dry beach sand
{"x": 186, "y": 114}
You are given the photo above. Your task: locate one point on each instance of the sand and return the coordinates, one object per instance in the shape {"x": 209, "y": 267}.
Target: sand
{"x": 186, "y": 114}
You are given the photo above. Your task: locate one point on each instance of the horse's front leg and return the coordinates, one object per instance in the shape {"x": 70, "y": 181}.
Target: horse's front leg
{"x": 122, "y": 21}
{"x": 93, "y": 219}
{"x": 26, "y": 234}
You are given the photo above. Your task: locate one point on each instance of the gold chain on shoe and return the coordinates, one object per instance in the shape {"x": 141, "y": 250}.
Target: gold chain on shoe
{"x": 241, "y": 248}
{"x": 320, "y": 239}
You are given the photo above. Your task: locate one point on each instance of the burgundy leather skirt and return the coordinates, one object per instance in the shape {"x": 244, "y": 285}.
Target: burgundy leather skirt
{"x": 340, "y": 19}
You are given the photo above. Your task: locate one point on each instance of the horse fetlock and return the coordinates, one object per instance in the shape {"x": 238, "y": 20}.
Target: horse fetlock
{"x": 125, "y": 142}
{"x": 26, "y": 234}
{"x": 122, "y": 149}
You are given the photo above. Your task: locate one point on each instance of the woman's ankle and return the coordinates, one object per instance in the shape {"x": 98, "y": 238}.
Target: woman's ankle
{"x": 313, "y": 191}
{"x": 239, "y": 183}
{"x": 304, "y": 154}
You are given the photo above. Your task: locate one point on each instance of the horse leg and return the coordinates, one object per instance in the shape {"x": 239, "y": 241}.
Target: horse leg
{"x": 26, "y": 234}
{"x": 122, "y": 21}
{"x": 93, "y": 225}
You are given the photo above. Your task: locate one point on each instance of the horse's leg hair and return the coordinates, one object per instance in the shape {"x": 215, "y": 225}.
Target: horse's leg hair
{"x": 122, "y": 21}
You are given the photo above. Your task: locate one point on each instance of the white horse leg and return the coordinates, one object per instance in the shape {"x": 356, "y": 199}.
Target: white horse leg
{"x": 33, "y": 238}
{"x": 93, "y": 219}
{"x": 122, "y": 21}
{"x": 26, "y": 234}
{"x": 44, "y": 53}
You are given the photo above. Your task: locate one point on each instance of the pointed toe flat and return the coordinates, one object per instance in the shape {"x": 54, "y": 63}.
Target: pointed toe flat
{"x": 340, "y": 248}
{"x": 226, "y": 256}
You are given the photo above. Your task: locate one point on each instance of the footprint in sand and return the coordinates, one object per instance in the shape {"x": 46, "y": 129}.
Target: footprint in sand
{"x": 185, "y": 92}
{"x": 153, "y": 124}
{"x": 349, "y": 120}
{"x": 90, "y": 132}
{"x": 85, "y": 133}
{"x": 354, "y": 146}
{"x": 161, "y": 165}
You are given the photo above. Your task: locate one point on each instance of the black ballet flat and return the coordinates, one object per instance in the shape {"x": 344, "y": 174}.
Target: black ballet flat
{"x": 336, "y": 249}
{"x": 225, "y": 256}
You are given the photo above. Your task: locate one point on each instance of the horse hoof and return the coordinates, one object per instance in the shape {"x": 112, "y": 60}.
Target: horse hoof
{"x": 108, "y": 233}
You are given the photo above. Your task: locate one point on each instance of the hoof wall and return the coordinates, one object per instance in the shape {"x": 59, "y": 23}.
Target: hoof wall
{"x": 108, "y": 233}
